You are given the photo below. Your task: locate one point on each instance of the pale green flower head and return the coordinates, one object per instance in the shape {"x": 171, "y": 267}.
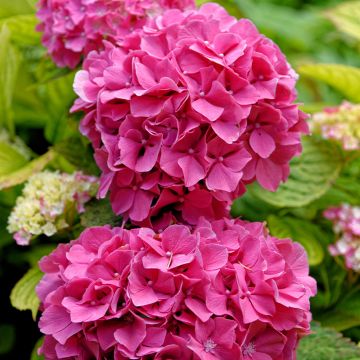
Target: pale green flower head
{"x": 48, "y": 204}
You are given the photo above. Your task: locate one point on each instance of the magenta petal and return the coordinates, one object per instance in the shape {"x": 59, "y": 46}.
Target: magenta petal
{"x": 131, "y": 335}
{"x": 210, "y": 111}
{"x": 262, "y": 143}
{"x": 193, "y": 171}
{"x": 214, "y": 256}
{"x": 221, "y": 178}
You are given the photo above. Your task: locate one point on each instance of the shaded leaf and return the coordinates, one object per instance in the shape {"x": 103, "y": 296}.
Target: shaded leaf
{"x": 301, "y": 231}
{"x": 98, "y": 213}
{"x": 34, "y": 354}
{"x": 9, "y": 64}
{"x": 7, "y": 338}
{"x": 23, "y": 295}
{"x": 345, "y": 79}
{"x": 345, "y": 315}
{"x": 77, "y": 153}
{"x": 251, "y": 208}
{"x": 10, "y": 159}
{"x": 311, "y": 175}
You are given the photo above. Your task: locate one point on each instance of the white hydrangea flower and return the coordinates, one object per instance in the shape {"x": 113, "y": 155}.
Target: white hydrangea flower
{"x": 48, "y": 204}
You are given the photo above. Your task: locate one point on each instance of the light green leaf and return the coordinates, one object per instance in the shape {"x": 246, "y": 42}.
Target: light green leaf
{"x": 34, "y": 354}
{"x": 311, "y": 175}
{"x": 346, "y": 17}
{"x": 14, "y": 7}
{"x": 22, "y": 29}
{"x": 302, "y": 231}
{"x": 327, "y": 344}
{"x": 7, "y": 338}
{"x": 21, "y": 175}
{"x": 23, "y": 295}
{"x": 9, "y": 64}
{"x": 345, "y": 79}
{"x": 10, "y": 159}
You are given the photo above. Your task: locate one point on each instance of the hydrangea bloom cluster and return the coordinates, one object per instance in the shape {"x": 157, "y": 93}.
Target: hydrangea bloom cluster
{"x": 48, "y": 204}
{"x": 346, "y": 224}
{"x": 341, "y": 123}
{"x": 188, "y": 113}
{"x": 72, "y": 28}
{"x": 221, "y": 290}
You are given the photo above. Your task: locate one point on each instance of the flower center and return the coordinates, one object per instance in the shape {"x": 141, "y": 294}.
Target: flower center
{"x": 248, "y": 349}
{"x": 209, "y": 345}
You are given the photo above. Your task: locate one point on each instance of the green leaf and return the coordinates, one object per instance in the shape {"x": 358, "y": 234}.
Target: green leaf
{"x": 22, "y": 29}
{"x": 37, "y": 252}
{"x": 34, "y": 354}
{"x": 327, "y": 344}
{"x": 58, "y": 98}
{"x": 345, "y": 79}
{"x": 302, "y": 231}
{"x": 346, "y": 17}
{"x": 14, "y": 7}
{"x": 9, "y": 64}
{"x": 311, "y": 175}
{"x": 21, "y": 175}
{"x": 23, "y": 295}
{"x": 99, "y": 213}
{"x": 251, "y": 208}
{"x": 77, "y": 153}
{"x": 10, "y": 159}
{"x": 7, "y": 338}
{"x": 345, "y": 315}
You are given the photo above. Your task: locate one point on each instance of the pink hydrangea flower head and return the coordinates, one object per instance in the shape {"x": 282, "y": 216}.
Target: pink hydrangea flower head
{"x": 72, "y": 28}
{"x": 346, "y": 225}
{"x": 188, "y": 113}
{"x": 187, "y": 292}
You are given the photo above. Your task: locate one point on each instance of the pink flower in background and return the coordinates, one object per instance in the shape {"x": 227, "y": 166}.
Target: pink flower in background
{"x": 346, "y": 225}
{"x": 201, "y": 102}
{"x": 73, "y": 28}
{"x": 184, "y": 293}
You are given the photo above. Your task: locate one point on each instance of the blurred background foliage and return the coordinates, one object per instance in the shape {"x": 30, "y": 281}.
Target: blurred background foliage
{"x": 35, "y": 97}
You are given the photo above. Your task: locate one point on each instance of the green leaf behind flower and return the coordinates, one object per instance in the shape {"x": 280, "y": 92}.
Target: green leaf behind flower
{"x": 343, "y": 78}
{"x": 327, "y": 344}
{"x": 302, "y": 231}
{"x": 23, "y": 295}
{"x": 311, "y": 175}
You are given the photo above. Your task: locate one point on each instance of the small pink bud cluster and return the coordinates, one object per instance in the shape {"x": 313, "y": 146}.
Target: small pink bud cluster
{"x": 220, "y": 290}
{"x": 72, "y": 28}
{"x": 341, "y": 123}
{"x": 186, "y": 114}
{"x": 346, "y": 225}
